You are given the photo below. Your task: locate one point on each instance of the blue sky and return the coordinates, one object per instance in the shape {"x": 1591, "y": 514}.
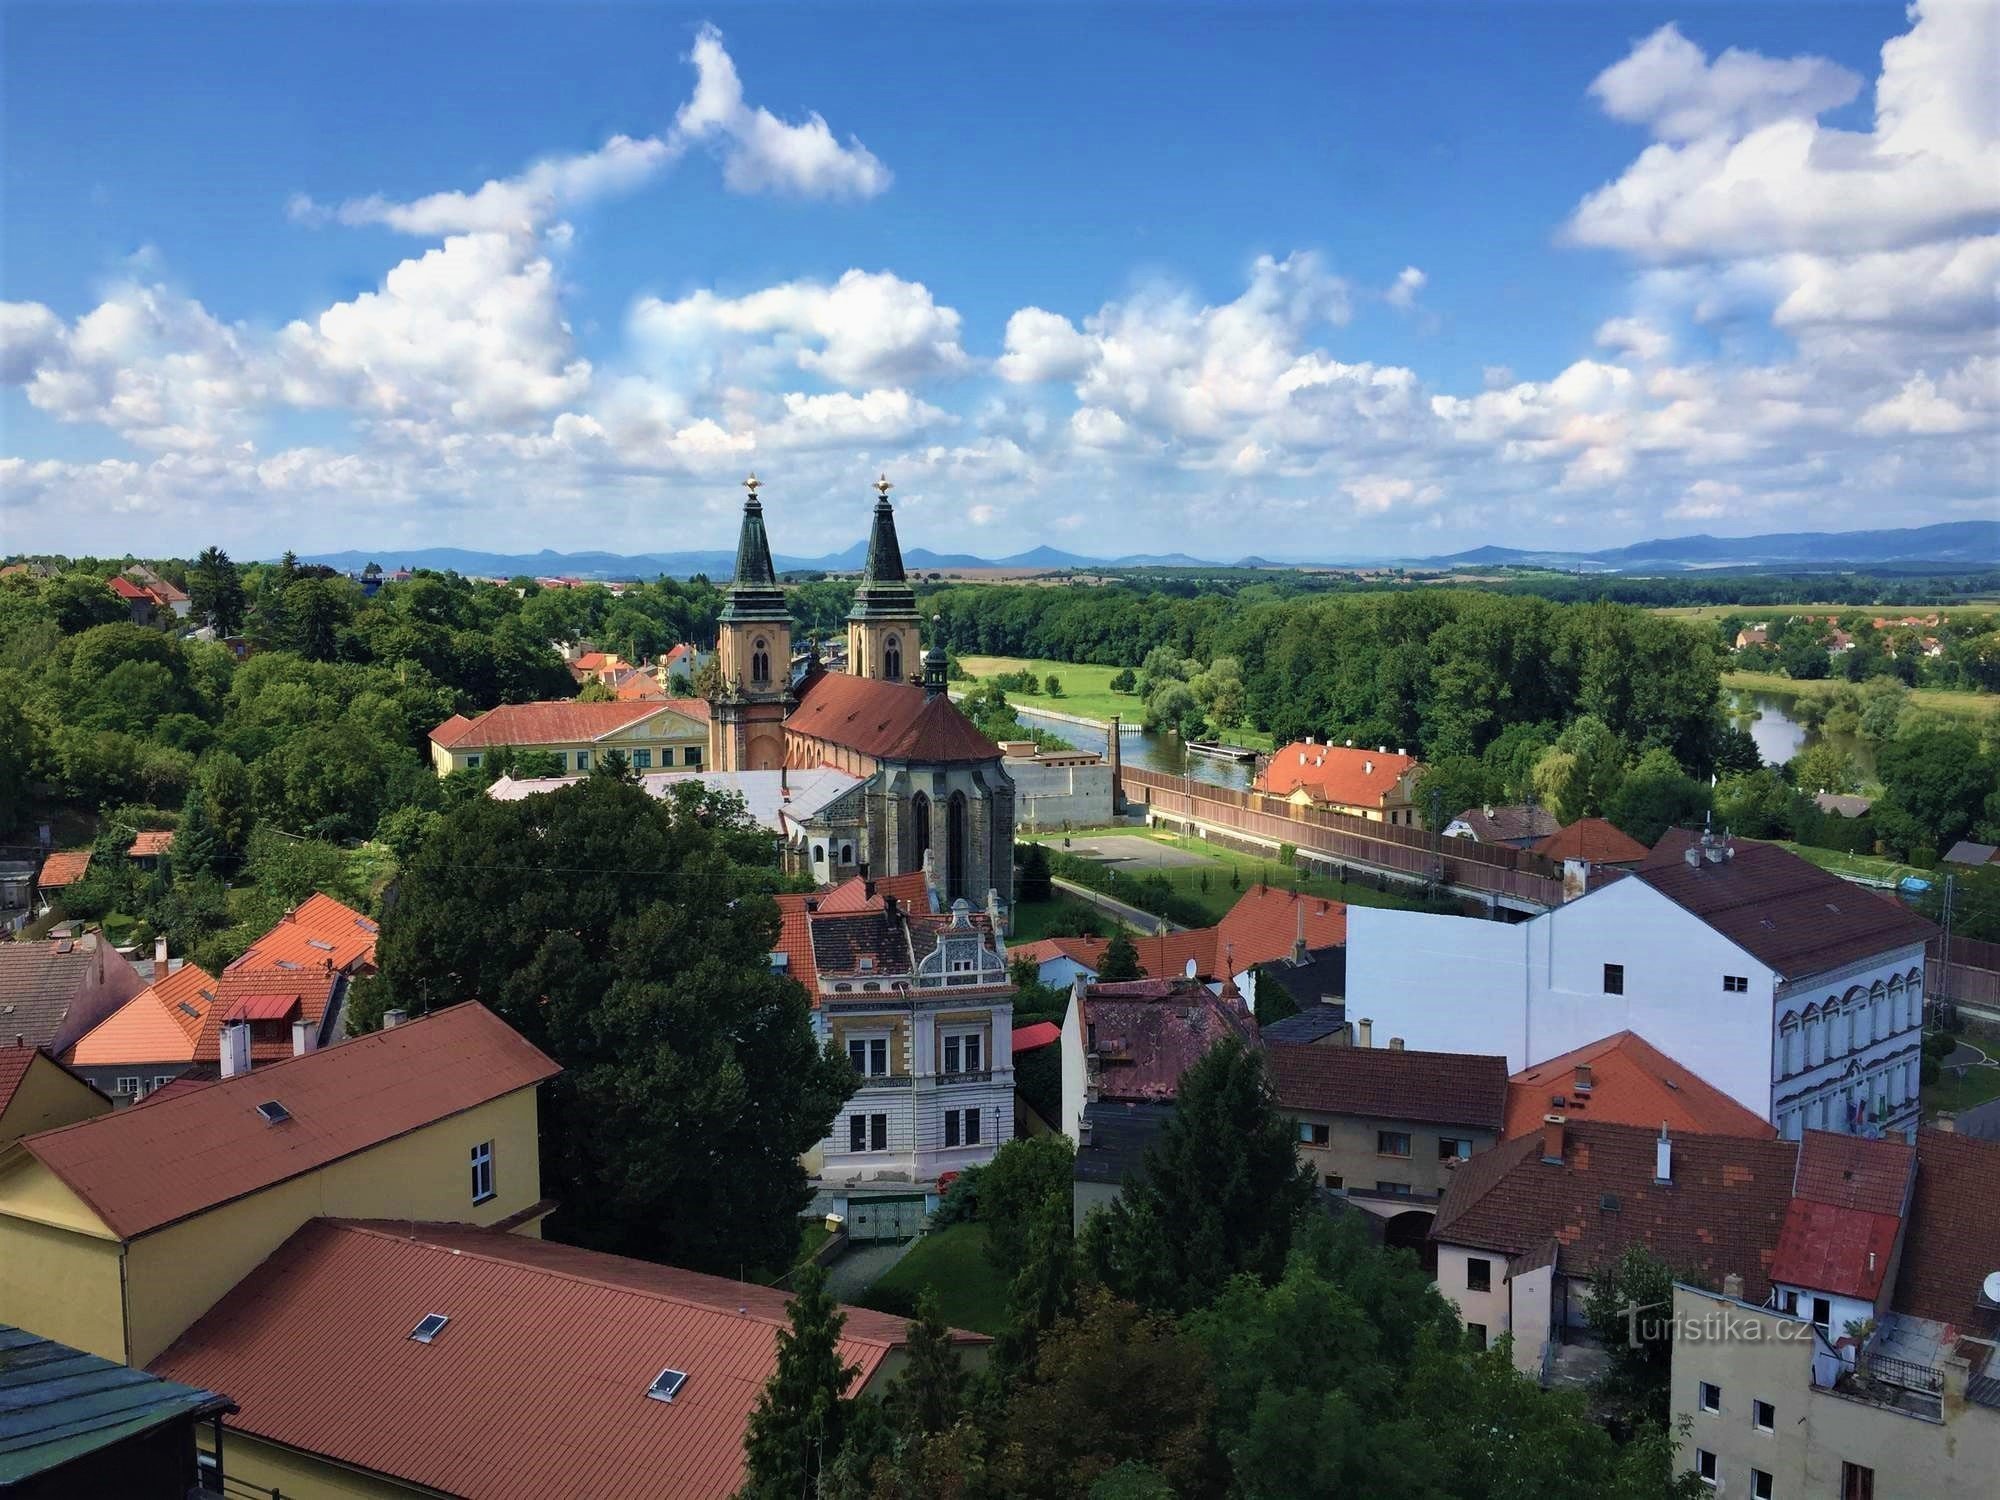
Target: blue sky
{"x": 1304, "y": 281}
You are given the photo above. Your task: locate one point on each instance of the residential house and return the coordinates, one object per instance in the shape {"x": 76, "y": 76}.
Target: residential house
{"x": 1966, "y": 852}
{"x": 1526, "y": 1227}
{"x": 653, "y": 734}
{"x": 1519, "y": 825}
{"x": 1378, "y": 784}
{"x": 1842, "y": 804}
{"x": 282, "y": 1012}
{"x": 143, "y": 606}
{"x": 1836, "y": 1259}
{"x": 17, "y": 887}
{"x": 602, "y": 667}
{"x": 1781, "y": 1404}
{"x": 1125, "y": 1047}
{"x": 39, "y": 1093}
{"x": 318, "y": 932}
{"x": 54, "y": 990}
{"x": 493, "y": 1366}
{"x": 920, "y": 1003}
{"x": 1594, "y": 842}
{"x": 1753, "y": 635}
{"x": 1795, "y": 993}
{"x": 1623, "y": 1079}
{"x": 169, "y": 600}
{"x": 73, "y": 1424}
{"x": 1314, "y": 1025}
{"x": 1386, "y": 1128}
{"x": 151, "y": 1039}
{"x": 149, "y": 845}
{"x": 117, "y": 1233}
{"x": 1314, "y": 979}
{"x": 59, "y": 872}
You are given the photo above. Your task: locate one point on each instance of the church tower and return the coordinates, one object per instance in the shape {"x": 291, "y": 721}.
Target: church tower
{"x": 753, "y": 653}
{"x": 882, "y": 633}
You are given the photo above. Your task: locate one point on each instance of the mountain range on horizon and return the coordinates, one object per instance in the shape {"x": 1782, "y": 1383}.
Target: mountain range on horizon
{"x": 1950, "y": 543}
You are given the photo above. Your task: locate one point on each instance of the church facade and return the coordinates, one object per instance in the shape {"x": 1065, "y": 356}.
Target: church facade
{"x": 934, "y": 794}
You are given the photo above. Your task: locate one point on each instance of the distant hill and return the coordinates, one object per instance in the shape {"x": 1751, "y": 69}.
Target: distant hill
{"x": 1952, "y": 544}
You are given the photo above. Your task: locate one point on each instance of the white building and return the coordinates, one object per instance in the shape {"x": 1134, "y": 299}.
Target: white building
{"x": 1796, "y": 993}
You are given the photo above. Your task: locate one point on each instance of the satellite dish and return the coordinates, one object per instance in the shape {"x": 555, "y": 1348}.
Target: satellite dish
{"x": 1191, "y": 966}
{"x": 1992, "y": 1289}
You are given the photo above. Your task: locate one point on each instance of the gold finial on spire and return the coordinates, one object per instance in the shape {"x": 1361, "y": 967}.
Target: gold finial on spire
{"x": 882, "y": 487}
{"x": 753, "y": 484}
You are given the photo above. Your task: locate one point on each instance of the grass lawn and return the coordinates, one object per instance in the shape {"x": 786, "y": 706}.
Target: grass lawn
{"x": 1940, "y": 700}
{"x": 811, "y": 1237}
{"x": 1249, "y": 870}
{"x": 1038, "y": 919}
{"x": 1086, "y": 692}
{"x": 1954, "y": 1094}
{"x": 1867, "y": 866}
{"x": 952, "y": 1262}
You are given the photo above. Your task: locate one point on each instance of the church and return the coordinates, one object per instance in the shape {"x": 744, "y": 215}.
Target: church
{"x": 930, "y": 791}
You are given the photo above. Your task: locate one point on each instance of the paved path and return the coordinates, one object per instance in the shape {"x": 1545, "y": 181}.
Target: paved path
{"x": 861, "y": 1267}
{"x": 1144, "y": 921}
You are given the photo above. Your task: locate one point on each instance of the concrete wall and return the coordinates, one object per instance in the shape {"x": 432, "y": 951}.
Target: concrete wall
{"x": 1490, "y": 1308}
{"x": 1531, "y": 1302}
{"x": 1075, "y": 1071}
{"x": 1049, "y": 796}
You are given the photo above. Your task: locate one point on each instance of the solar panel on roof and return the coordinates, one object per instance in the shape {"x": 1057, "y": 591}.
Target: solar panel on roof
{"x": 189, "y": 1009}
{"x": 431, "y": 1326}
{"x": 667, "y": 1385}
{"x": 273, "y": 1112}
{"x": 320, "y": 943}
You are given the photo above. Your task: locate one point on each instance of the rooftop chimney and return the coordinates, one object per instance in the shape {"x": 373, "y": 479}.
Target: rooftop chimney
{"x": 1693, "y": 856}
{"x": 1552, "y": 1139}
{"x": 1395, "y": 1044}
{"x": 1299, "y": 942}
{"x": 159, "y": 958}
{"x": 235, "y": 1048}
{"x": 1732, "y": 1286}
{"x": 1947, "y": 1122}
{"x": 1364, "y": 1030}
{"x": 1663, "y": 1156}
{"x": 394, "y": 1018}
{"x": 302, "y": 1037}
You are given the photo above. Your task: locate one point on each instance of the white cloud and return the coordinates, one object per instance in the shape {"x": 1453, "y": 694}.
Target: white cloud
{"x": 1643, "y": 340}
{"x": 761, "y": 152}
{"x": 1378, "y": 494}
{"x": 843, "y": 417}
{"x": 1707, "y": 500}
{"x": 30, "y": 335}
{"x": 982, "y": 515}
{"x": 1095, "y": 427}
{"x": 1668, "y": 85}
{"x": 1043, "y": 345}
{"x": 1403, "y": 291}
{"x": 1917, "y": 410}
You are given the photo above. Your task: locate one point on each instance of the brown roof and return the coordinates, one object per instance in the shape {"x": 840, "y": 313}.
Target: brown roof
{"x": 62, "y": 868}
{"x": 1631, "y": 1082}
{"x": 151, "y": 842}
{"x": 1390, "y": 1083}
{"x": 796, "y": 910}
{"x": 1503, "y": 825}
{"x": 1950, "y": 1247}
{"x": 1782, "y": 910}
{"x": 1593, "y": 839}
{"x": 537, "y": 1384}
{"x": 1347, "y": 776}
{"x": 1150, "y": 1031}
{"x": 160, "y": 1024}
{"x": 1722, "y": 1212}
{"x": 139, "y": 1172}
{"x": 888, "y": 721}
{"x": 38, "y": 982}
{"x": 15, "y": 1061}
{"x": 562, "y": 722}
{"x": 1852, "y": 1172}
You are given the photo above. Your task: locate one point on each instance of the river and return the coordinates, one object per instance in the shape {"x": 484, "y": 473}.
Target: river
{"x": 1779, "y": 736}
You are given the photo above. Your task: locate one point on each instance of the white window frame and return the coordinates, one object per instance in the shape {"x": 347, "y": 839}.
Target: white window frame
{"x": 1762, "y": 1485}
{"x": 968, "y": 1043}
{"x": 483, "y": 1186}
{"x": 1708, "y": 1397}
{"x": 1759, "y": 1405}
{"x": 871, "y": 1041}
{"x": 1706, "y": 1468}
{"x": 129, "y": 1084}
{"x": 1314, "y": 1133}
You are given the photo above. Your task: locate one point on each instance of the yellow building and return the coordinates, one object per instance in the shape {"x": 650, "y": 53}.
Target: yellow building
{"x": 1379, "y": 784}
{"x": 118, "y": 1232}
{"x": 39, "y": 1093}
{"x": 654, "y": 734}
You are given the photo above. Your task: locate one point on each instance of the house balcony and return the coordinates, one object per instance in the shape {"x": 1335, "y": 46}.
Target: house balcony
{"x": 882, "y": 1082}
{"x": 947, "y": 1080}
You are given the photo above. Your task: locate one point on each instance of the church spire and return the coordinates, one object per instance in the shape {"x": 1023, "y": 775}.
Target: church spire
{"x": 753, "y": 592}
{"x": 885, "y": 556}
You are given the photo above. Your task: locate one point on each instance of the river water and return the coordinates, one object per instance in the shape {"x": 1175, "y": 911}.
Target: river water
{"x": 1779, "y": 737}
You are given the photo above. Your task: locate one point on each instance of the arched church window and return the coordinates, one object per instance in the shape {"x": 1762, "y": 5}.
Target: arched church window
{"x": 892, "y": 658}
{"x": 957, "y": 854}
{"x": 920, "y": 829}
{"x": 760, "y": 661}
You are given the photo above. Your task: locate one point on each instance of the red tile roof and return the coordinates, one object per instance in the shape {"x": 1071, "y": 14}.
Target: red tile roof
{"x": 1951, "y": 1248}
{"x": 160, "y": 1024}
{"x": 1150, "y": 1031}
{"x": 1829, "y": 1249}
{"x": 562, "y": 722}
{"x": 1593, "y": 839}
{"x": 140, "y": 1172}
{"x": 126, "y": 589}
{"x": 1266, "y": 921}
{"x": 1390, "y": 1083}
{"x": 851, "y": 895}
{"x": 1632, "y": 1082}
{"x": 63, "y": 868}
{"x": 888, "y": 721}
{"x": 313, "y": 989}
{"x": 1335, "y": 773}
{"x": 14, "y": 1064}
{"x": 1039, "y": 1034}
{"x": 537, "y": 1384}
{"x": 263, "y": 1008}
{"x": 1722, "y": 1212}
{"x": 1783, "y": 911}
{"x": 152, "y": 841}
{"x": 317, "y": 930}
{"x": 1853, "y": 1173}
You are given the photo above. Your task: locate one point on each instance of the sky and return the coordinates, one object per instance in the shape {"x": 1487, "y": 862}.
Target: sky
{"x": 1303, "y": 282}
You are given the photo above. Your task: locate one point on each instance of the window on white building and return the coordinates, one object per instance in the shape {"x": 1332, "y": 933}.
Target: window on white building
{"x": 1735, "y": 984}
{"x": 1788, "y": 1045}
{"x": 1761, "y": 1485}
{"x": 1478, "y": 1274}
{"x": 482, "y": 1171}
{"x": 1704, "y": 1465}
{"x": 962, "y": 1050}
{"x": 869, "y": 1055}
{"x": 1711, "y": 1397}
{"x": 1614, "y": 979}
{"x": 1763, "y": 1416}
{"x": 868, "y": 1132}
{"x": 1454, "y": 1148}
{"x": 961, "y": 1127}
{"x": 1314, "y": 1135}
{"x": 1477, "y": 1333}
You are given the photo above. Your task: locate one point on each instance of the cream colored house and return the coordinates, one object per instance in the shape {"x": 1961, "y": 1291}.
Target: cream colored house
{"x": 654, "y": 734}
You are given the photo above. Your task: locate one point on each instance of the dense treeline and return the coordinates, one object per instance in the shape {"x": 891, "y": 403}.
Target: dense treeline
{"x": 1439, "y": 671}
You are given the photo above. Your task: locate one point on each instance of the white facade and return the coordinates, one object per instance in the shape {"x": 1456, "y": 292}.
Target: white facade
{"x": 1625, "y": 957}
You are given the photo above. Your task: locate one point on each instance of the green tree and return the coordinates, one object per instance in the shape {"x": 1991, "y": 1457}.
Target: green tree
{"x": 1655, "y": 796}
{"x": 1024, "y": 1178}
{"x": 1824, "y": 766}
{"x": 1222, "y": 1191}
{"x": 1053, "y": 686}
{"x": 1120, "y": 961}
{"x": 1803, "y": 657}
{"x": 215, "y": 591}
{"x": 1629, "y": 1309}
{"x": 1757, "y": 806}
{"x": 1454, "y": 785}
{"x": 198, "y": 848}
{"x": 1600, "y": 762}
{"x": 1043, "y": 1291}
{"x": 928, "y": 1394}
{"x": 1124, "y": 681}
{"x": 801, "y": 1418}
{"x": 1936, "y": 783}
{"x": 227, "y": 799}
{"x": 1032, "y": 865}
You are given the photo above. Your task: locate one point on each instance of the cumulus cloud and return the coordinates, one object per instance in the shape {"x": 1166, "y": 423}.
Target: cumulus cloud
{"x": 1668, "y": 85}
{"x": 1638, "y": 337}
{"x": 1378, "y": 494}
{"x": 844, "y": 417}
{"x": 1403, "y": 290}
{"x": 1042, "y": 345}
{"x": 1707, "y": 500}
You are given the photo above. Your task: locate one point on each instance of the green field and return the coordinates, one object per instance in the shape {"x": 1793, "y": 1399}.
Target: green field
{"x": 1034, "y": 920}
{"x": 1867, "y": 866}
{"x": 952, "y": 1263}
{"x": 1086, "y": 692}
{"x": 1249, "y": 869}
{"x": 1759, "y": 611}
{"x": 1940, "y": 700}
{"x": 1955, "y": 1094}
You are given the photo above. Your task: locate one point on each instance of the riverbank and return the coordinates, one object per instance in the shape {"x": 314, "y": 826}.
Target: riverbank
{"x": 1965, "y": 705}
{"x": 1087, "y": 697}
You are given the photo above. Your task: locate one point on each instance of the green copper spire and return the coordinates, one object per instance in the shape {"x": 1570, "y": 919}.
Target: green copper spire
{"x": 753, "y": 591}
{"x": 884, "y": 591}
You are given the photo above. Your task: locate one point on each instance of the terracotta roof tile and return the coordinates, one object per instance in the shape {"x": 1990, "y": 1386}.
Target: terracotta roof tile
{"x": 160, "y": 1024}
{"x": 139, "y": 1172}
{"x": 1593, "y": 839}
{"x": 888, "y": 721}
{"x": 1783, "y": 911}
{"x": 1722, "y": 1212}
{"x": 562, "y": 722}
{"x": 1829, "y": 1249}
{"x": 1854, "y": 1173}
{"x": 1631, "y": 1082}
{"x": 14, "y": 1064}
{"x": 1389, "y": 1083}
{"x": 1150, "y": 1031}
{"x": 126, "y": 589}
{"x": 1950, "y": 1247}
{"x": 1509, "y": 824}
{"x": 1266, "y": 921}
{"x": 318, "y": 929}
{"x": 63, "y": 868}
{"x": 153, "y": 841}
{"x": 1038, "y": 1034}
{"x": 587, "y": 1333}
{"x": 1354, "y": 777}
{"x": 317, "y": 992}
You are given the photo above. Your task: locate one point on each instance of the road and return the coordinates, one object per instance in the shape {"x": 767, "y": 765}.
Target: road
{"x": 1142, "y": 921}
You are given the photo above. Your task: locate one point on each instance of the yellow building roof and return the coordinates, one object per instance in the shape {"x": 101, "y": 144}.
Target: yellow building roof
{"x": 160, "y": 1024}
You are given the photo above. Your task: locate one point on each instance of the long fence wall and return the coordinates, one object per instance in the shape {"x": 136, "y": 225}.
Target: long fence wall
{"x": 1513, "y": 873}
{"x": 1971, "y": 974}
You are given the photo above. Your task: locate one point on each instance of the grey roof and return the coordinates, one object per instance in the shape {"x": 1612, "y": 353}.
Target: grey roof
{"x": 1308, "y": 1026}
{"x": 772, "y": 797}
{"x": 1518, "y": 822}
{"x": 1120, "y": 1132}
{"x": 1323, "y": 973}
{"x": 1844, "y": 803}
{"x": 58, "y": 1404}
{"x": 1965, "y": 852}
{"x": 37, "y": 982}
{"x": 1981, "y": 1122}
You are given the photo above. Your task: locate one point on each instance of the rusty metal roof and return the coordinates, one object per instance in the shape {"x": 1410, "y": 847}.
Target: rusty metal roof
{"x": 142, "y": 1170}
{"x": 536, "y": 1386}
